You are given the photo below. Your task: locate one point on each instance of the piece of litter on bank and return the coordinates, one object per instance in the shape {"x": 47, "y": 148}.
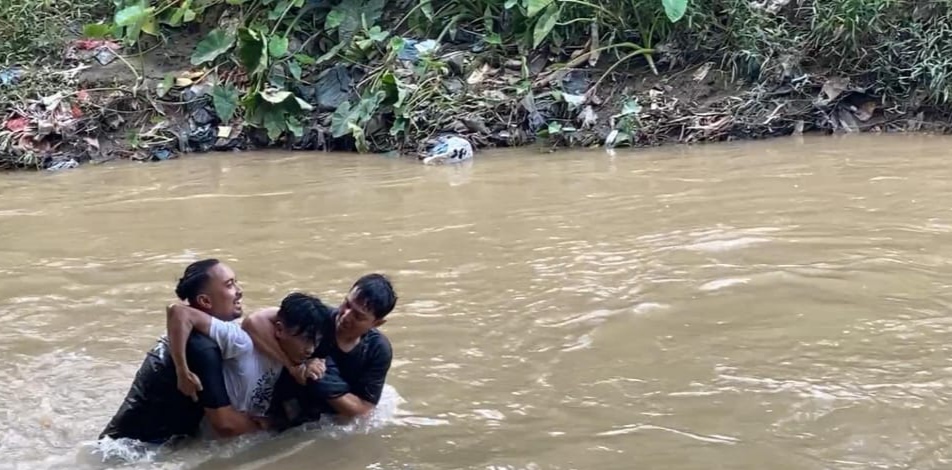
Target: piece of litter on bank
{"x": 224, "y": 132}
{"x": 64, "y": 165}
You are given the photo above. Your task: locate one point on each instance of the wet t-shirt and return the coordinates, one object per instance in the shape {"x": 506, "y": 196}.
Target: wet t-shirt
{"x": 249, "y": 374}
{"x": 154, "y": 410}
{"x": 361, "y": 371}
{"x": 363, "y": 368}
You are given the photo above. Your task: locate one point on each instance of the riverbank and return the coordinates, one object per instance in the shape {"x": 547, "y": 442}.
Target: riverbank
{"x": 161, "y": 79}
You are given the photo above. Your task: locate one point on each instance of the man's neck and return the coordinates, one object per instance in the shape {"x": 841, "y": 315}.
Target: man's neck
{"x": 346, "y": 343}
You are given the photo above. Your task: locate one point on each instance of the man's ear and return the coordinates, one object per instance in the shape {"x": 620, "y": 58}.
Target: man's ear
{"x": 378, "y": 323}
{"x": 204, "y": 301}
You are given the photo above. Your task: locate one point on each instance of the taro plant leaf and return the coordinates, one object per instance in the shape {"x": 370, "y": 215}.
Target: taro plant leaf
{"x": 295, "y": 126}
{"x": 278, "y": 46}
{"x": 132, "y": 15}
{"x": 339, "y": 120}
{"x": 134, "y": 19}
{"x": 278, "y": 10}
{"x": 533, "y": 7}
{"x": 396, "y": 92}
{"x": 252, "y": 50}
{"x": 98, "y": 30}
{"x": 302, "y": 105}
{"x": 349, "y": 15}
{"x": 545, "y": 24}
{"x": 294, "y": 69}
{"x": 427, "y": 7}
{"x": 274, "y": 122}
{"x": 225, "y": 100}
{"x": 304, "y": 59}
{"x": 274, "y": 95}
{"x": 163, "y": 88}
{"x": 215, "y": 44}
{"x": 334, "y": 19}
{"x": 674, "y": 9}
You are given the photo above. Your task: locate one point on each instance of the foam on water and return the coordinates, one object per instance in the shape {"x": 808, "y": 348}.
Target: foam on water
{"x": 109, "y": 453}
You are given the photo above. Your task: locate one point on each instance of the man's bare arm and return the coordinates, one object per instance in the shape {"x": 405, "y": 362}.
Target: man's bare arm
{"x": 350, "y": 406}
{"x": 179, "y": 321}
{"x": 260, "y": 326}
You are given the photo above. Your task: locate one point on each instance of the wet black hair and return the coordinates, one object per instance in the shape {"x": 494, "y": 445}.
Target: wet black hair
{"x": 194, "y": 280}
{"x": 303, "y": 315}
{"x": 375, "y": 292}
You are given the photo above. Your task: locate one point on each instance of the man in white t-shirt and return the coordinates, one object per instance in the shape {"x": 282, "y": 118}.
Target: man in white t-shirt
{"x": 249, "y": 374}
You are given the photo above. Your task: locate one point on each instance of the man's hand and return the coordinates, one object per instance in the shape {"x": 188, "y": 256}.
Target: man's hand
{"x": 316, "y": 368}
{"x": 263, "y": 423}
{"x": 189, "y": 384}
{"x": 313, "y": 369}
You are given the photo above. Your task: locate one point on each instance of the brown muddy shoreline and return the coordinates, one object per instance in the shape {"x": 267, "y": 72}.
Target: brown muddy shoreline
{"x": 122, "y": 111}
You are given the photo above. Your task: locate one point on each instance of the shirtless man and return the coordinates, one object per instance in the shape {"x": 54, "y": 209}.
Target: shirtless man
{"x": 249, "y": 374}
{"x": 153, "y": 410}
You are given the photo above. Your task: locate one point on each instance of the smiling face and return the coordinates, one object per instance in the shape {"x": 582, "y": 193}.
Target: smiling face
{"x": 356, "y": 318}
{"x": 221, "y": 296}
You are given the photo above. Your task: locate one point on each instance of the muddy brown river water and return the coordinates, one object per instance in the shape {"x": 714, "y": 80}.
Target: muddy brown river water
{"x": 780, "y": 304}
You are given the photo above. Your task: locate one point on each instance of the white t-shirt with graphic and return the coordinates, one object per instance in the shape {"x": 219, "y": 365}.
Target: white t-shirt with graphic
{"x": 249, "y": 375}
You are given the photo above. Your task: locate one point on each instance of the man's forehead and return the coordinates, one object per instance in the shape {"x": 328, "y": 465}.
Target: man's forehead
{"x": 222, "y": 272}
{"x": 353, "y": 299}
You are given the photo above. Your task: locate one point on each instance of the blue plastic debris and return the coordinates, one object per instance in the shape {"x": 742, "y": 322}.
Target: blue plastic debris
{"x": 9, "y": 77}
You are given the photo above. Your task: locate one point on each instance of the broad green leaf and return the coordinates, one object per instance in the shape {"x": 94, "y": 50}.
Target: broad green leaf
{"x": 427, "y": 7}
{"x": 132, "y": 15}
{"x": 399, "y": 125}
{"x": 533, "y": 7}
{"x": 278, "y": 46}
{"x": 274, "y": 122}
{"x": 339, "y": 120}
{"x": 225, "y": 100}
{"x": 235, "y": 2}
{"x": 294, "y": 69}
{"x": 545, "y": 24}
{"x": 252, "y": 51}
{"x": 396, "y": 92}
{"x": 215, "y": 44}
{"x": 303, "y": 105}
{"x": 675, "y": 9}
{"x": 378, "y": 35}
{"x": 295, "y": 126}
{"x": 304, "y": 59}
{"x": 510, "y": 4}
{"x": 176, "y": 18}
{"x": 334, "y": 19}
{"x": 189, "y": 16}
{"x": 278, "y": 10}
{"x": 167, "y": 83}
{"x": 275, "y": 96}
{"x": 149, "y": 26}
{"x": 97, "y": 31}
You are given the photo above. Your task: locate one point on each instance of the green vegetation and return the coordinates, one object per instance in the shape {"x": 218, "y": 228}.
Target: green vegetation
{"x": 501, "y": 71}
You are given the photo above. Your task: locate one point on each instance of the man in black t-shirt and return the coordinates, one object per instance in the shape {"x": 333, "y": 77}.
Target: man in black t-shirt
{"x": 357, "y": 355}
{"x": 154, "y": 411}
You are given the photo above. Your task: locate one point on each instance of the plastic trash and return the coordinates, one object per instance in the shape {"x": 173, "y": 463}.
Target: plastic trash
{"x": 448, "y": 149}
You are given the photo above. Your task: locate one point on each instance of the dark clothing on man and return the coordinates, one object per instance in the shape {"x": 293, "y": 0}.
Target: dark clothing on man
{"x": 154, "y": 410}
{"x": 361, "y": 371}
